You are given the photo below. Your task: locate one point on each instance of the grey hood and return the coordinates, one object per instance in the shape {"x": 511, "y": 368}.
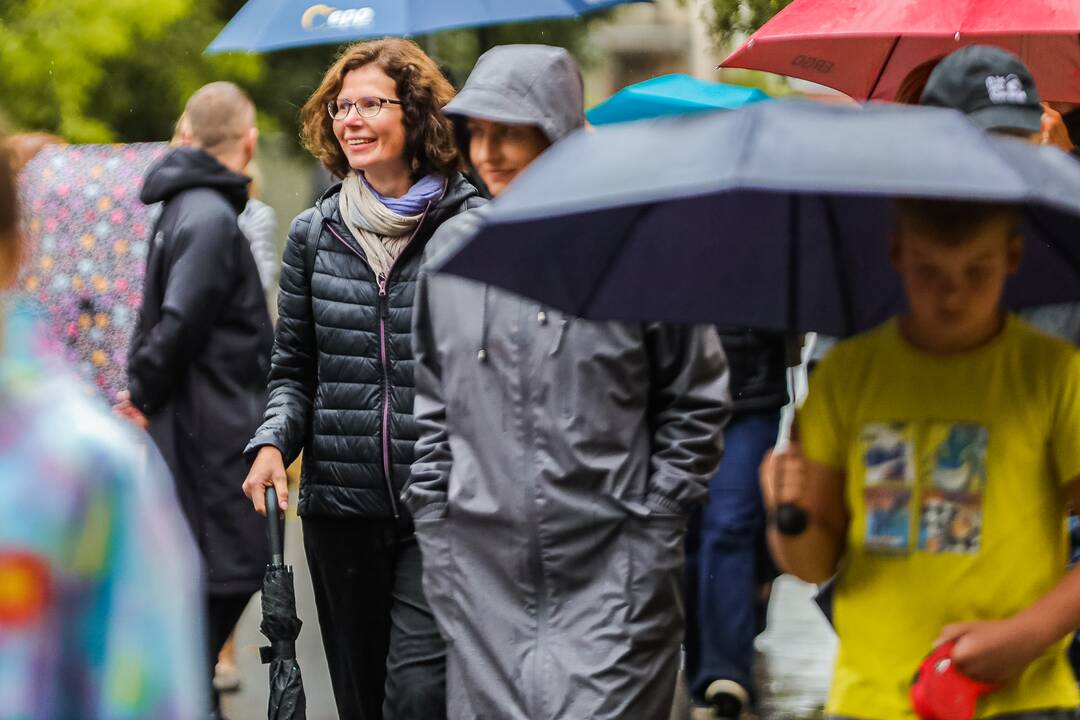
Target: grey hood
{"x": 524, "y": 85}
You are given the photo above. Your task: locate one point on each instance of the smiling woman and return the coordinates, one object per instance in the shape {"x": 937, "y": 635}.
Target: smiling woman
{"x": 341, "y": 381}
{"x": 404, "y": 73}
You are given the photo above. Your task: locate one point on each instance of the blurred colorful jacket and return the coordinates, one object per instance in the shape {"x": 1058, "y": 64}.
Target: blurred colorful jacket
{"x": 99, "y": 577}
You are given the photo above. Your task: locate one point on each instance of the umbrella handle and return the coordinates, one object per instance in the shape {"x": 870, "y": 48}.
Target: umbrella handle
{"x": 790, "y": 518}
{"x": 277, "y": 550}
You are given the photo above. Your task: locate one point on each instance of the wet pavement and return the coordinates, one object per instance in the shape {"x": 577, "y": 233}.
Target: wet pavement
{"x": 795, "y": 653}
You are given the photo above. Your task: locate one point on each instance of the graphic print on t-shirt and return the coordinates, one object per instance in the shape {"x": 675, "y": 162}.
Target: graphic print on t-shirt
{"x": 951, "y": 518}
{"x": 944, "y": 464}
{"x": 887, "y": 451}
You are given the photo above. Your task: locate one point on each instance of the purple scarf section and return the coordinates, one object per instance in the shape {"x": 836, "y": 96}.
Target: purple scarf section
{"x": 427, "y": 189}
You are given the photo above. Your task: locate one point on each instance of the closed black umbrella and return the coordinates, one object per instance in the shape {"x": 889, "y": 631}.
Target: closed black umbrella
{"x": 281, "y": 627}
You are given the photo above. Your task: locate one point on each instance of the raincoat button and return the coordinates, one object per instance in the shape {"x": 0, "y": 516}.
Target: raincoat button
{"x": 541, "y": 317}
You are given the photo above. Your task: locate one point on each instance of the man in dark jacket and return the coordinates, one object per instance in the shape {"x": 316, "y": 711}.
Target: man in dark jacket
{"x": 201, "y": 349}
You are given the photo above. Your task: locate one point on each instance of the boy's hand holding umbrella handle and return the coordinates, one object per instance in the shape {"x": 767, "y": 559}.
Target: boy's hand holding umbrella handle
{"x": 783, "y": 479}
{"x": 783, "y": 483}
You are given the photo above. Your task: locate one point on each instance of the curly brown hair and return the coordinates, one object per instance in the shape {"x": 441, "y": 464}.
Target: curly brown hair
{"x": 423, "y": 91}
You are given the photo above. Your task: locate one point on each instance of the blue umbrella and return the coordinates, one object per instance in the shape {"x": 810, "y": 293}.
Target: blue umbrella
{"x": 774, "y": 216}
{"x": 672, "y": 95}
{"x": 266, "y": 25}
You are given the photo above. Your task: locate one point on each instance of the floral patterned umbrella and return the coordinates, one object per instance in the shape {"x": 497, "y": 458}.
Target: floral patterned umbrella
{"x": 86, "y": 236}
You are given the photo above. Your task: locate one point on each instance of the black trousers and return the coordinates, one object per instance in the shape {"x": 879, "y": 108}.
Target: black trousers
{"x": 222, "y": 614}
{"x": 387, "y": 659}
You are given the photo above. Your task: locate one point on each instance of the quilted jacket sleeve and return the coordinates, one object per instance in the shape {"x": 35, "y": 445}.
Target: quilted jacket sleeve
{"x": 293, "y": 363}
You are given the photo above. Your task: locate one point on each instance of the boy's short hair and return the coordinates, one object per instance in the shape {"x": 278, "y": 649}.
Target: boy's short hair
{"x": 952, "y": 222}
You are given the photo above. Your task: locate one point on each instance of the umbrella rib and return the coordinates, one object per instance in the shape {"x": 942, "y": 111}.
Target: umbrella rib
{"x": 884, "y": 66}
{"x": 838, "y": 266}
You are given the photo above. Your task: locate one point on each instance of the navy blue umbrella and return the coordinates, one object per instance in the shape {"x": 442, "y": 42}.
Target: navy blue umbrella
{"x": 265, "y": 25}
{"x": 775, "y": 216}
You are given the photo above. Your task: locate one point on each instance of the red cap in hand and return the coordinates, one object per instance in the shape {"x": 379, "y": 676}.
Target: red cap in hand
{"x": 942, "y": 692}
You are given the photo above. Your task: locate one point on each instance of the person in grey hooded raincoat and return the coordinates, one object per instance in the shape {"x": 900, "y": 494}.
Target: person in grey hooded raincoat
{"x": 558, "y": 458}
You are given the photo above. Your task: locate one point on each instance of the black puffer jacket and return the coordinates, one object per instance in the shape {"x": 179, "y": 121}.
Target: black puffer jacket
{"x": 341, "y": 376}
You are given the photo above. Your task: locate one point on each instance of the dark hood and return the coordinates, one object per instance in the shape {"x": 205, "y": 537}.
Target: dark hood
{"x": 186, "y": 168}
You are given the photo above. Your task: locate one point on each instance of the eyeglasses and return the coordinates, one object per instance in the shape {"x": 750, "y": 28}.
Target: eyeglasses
{"x": 365, "y": 107}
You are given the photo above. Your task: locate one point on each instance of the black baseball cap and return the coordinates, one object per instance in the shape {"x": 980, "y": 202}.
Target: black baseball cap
{"x": 991, "y": 86}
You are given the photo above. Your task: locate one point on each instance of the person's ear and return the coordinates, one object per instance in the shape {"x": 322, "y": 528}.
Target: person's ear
{"x": 1015, "y": 254}
{"x": 251, "y": 142}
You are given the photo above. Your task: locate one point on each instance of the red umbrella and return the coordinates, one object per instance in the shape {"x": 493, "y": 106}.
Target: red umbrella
{"x": 865, "y": 48}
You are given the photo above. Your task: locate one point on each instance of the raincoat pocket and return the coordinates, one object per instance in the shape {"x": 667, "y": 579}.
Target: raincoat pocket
{"x": 656, "y": 572}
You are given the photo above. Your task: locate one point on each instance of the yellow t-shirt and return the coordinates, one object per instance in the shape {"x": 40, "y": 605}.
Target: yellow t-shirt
{"x": 955, "y": 469}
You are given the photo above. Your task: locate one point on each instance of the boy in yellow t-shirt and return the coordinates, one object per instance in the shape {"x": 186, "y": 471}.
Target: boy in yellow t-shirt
{"x": 938, "y": 456}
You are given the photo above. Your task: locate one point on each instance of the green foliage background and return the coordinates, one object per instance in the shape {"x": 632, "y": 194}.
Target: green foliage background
{"x": 121, "y": 70}
{"x": 742, "y": 17}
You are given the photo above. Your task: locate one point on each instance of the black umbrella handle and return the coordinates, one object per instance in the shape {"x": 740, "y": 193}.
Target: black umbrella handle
{"x": 791, "y": 519}
{"x": 273, "y": 527}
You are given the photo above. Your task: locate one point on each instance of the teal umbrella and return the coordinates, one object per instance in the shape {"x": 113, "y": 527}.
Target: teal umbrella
{"x": 671, "y": 95}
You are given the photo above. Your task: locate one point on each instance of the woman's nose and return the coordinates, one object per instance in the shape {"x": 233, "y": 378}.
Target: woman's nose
{"x": 353, "y": 119}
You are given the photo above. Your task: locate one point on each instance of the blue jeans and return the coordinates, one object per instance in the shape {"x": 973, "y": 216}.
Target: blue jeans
{"x": 727, "y": 560}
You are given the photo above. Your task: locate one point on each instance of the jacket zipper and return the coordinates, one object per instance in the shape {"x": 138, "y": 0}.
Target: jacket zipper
{"x": 386, "y": 391}
{"x": 384, "y": 283}
{"x": 386, "y": 373}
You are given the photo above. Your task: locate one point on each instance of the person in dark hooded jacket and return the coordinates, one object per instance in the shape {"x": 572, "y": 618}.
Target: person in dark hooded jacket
{"x": 341, "y": 383}
{"x": 201, "y": 348}
{"x": 558, "y": 458}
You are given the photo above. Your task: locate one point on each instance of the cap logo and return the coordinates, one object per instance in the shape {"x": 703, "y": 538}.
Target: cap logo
{"x": 1006, "y": 90}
